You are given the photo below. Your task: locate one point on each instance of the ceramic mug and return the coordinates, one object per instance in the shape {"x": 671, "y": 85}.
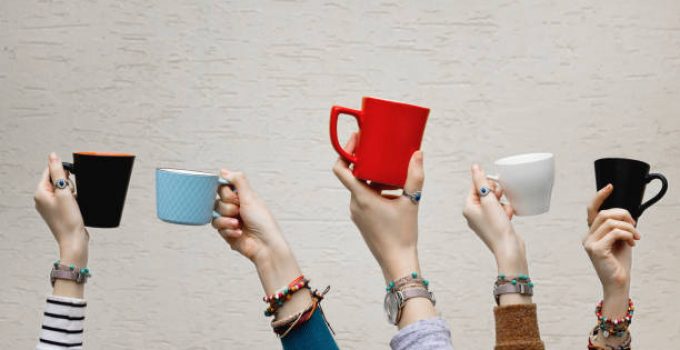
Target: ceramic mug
{"x": 630, "y": 178}
{"x": 527, "y": 181}
{"x": 389, "y": 134}
{"x": 186, "y": 197}
{"x": 102, "y": 181}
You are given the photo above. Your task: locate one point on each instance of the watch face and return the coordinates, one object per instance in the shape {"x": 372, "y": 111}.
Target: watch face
{"x": 392, "y": 307}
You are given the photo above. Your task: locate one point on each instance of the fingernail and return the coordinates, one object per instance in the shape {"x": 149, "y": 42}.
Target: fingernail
{"x": 475, "y": 166}
{"x": 53, "y": 157}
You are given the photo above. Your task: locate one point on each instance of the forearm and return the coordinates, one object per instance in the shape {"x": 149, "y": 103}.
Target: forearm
{"x": 75, "y": 254}
{"x": 614, "y": 306}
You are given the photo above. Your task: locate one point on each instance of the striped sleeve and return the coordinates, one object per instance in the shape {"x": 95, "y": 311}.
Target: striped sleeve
{"x": 62, "y": 326}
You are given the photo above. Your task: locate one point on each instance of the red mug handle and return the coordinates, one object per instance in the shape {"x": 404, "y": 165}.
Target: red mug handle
{"x": 335, "y": 113}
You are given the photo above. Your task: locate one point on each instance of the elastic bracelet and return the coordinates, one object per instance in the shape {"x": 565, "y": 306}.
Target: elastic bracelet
{"x": 592, "y": 341}
{"x": 284, "y": 326}
{"x": 69, "y": 273}
{"x": 615, "y": 327}
{"x": 409, "y": 280}
{"x": 284, "y": 294}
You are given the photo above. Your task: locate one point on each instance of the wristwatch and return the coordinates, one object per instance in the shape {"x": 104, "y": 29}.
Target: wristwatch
{"x": 508, "y": 288}
{"x": 395, "y": 300}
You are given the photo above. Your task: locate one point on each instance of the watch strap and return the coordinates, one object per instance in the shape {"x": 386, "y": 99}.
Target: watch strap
{"x": 411, "y": 293}
{"x": 509, "y": 288}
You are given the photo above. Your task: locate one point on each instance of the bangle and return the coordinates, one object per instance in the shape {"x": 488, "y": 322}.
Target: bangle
{"x": 409, "y": 280}
{"x": 69, "y": 272}
{"x": 284, "y": 294}
{"x": 284, "y": 326}
{"x": 615, "y": 327}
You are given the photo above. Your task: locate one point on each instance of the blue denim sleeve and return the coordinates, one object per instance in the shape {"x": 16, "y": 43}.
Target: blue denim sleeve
{"x": 313, "y": 334}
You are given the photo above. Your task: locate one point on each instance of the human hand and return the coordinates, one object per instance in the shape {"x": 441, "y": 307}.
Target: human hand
{"x": 388, "y": 225}
{"x": 609, "y": 245}
{"x": 60, "y": 211}
{"x": 250, "y": 229}
{"x": 490, "y": 220}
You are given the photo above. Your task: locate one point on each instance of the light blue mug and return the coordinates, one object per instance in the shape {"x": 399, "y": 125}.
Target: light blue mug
{"x": 186, "y": 197}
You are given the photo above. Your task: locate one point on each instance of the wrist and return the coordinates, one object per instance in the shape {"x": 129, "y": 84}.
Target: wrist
{"x": 276, "y": 268}
{"x": 400, "y": 265}
{"x": 615, "y": 301}
{"x": 74, "y": 254}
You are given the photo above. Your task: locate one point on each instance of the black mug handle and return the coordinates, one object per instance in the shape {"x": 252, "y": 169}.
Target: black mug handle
{"x": 662, "y": 192}
{"x": 69, "y": 167}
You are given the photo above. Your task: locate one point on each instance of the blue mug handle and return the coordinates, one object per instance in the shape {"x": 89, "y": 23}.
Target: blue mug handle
{"x": 222, "y": 182}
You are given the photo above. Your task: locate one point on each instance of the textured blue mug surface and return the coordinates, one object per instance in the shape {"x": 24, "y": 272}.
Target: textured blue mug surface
{"x": 186, "y": 197}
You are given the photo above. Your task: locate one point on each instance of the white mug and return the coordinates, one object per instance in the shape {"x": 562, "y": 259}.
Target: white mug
{"x": 527, "y": 181}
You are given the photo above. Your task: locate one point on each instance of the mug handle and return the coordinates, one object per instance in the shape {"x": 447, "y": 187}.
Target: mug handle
{"x": 69, "y": 167}
{"x": 662, "y": 192}
{"x": 335, "y": 112}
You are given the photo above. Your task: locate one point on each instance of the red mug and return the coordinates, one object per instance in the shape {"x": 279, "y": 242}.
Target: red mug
{"x": 389, "y": 134}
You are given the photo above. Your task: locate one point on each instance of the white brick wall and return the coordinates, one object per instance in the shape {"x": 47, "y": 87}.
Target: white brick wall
{"x": 248, "y": 85}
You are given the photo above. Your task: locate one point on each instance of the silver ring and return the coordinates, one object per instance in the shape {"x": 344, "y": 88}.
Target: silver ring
{"x": 484, "y": 191}
{"x": 61, "y": 184}
{"x": 414, "y": 197}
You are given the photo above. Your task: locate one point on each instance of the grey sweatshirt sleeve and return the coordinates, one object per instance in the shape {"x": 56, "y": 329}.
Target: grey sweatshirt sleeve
{"x": 62, "y": 326}
{"x": 432, "y": 334}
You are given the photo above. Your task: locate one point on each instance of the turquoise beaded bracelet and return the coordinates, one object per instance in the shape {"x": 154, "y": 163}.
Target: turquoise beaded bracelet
{"x": 411, "y": 278}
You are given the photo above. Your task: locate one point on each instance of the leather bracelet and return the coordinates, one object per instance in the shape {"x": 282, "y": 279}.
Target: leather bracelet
{"x": 284, "y": 326}
{"x": 69, "y": 273}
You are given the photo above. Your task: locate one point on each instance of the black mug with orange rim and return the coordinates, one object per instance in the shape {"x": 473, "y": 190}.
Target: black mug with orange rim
{"x": 629, "y": 178}
{"x": 102, "y": 181}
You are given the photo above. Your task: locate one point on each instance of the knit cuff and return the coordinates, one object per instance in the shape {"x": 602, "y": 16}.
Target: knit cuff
{"x": 517, "y": 328}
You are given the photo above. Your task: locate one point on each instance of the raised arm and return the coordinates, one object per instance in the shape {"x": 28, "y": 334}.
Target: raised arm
{"x": 64, "y": 315}
{"x": 516, "y": 323}
{"x": 609, "y": 244}
{"x": 389, "y": 227}
{"x": 250, "y": 229}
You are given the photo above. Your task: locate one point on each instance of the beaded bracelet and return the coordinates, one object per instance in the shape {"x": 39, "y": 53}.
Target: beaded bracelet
{"x": 406, "y": 280}
{"x": 521, "y": 278}
{"x": 284, "y": 294}
{"x": 615, "y": 327}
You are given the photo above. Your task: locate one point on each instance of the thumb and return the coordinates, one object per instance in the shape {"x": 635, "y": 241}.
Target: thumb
{"x": 416, "y": 174}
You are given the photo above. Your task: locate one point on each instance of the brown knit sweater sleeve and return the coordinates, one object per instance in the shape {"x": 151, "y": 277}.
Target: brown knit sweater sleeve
{"x": 517, "y": 328}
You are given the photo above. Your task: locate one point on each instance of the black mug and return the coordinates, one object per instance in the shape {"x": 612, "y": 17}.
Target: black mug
{"x": 629, "y": 177}
{"x": 102, "y": 181}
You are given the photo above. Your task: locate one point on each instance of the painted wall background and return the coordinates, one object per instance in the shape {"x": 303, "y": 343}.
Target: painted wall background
{"x": 248, "y": 85}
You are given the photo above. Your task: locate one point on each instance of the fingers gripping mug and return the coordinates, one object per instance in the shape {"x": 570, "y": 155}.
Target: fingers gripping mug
{"x": 186, "y": 197}
{"x": 389, "y": 134}
{"x": 527, "y": 181}
{"x": 102, "y": 181}
{"x": 630, "y": 178}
